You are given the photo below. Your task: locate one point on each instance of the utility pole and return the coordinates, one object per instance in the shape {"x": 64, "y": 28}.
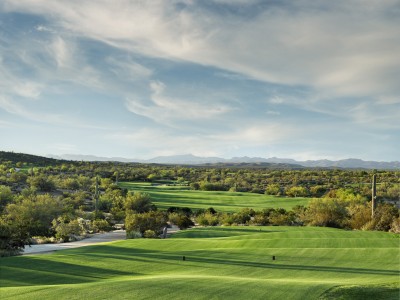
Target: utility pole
{"x": 373, "y": 200}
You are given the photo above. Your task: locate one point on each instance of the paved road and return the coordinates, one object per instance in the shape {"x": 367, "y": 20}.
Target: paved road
{"x": 95, "y": 239}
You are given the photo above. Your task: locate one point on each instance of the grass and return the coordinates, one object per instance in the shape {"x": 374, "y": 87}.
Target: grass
{"x": 164, "y": 196}
{"x": 221, "y": 263}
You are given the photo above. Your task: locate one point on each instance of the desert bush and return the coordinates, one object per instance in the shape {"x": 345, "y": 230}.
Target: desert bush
{"x": 326, "y": 212}
{"x": 101, "y": 226}
{"x": 67, "y": 230}
{"x": 180, "y": 220}
{"x": 152, "y": 220}
{"x": 150, "y": 234}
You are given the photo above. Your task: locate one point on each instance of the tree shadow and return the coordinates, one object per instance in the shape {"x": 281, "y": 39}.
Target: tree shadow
{"x": 28, "y": 270}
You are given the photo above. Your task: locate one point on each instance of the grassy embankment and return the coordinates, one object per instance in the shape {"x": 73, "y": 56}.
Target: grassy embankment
{"x": 164, "y": 196}
{"x": 221, "y": 263}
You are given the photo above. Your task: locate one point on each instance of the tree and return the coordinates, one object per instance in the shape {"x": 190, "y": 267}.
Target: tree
{"x": 6, "y": 196}
{"x": 297, "y": 191}
{"x": 34, "y": 214}
{"x": 12, "y": 238}
{"x": 273, "y": 189}
{"x": 42, "y": 183}
{"x": 139, "y": 202}
{"x": 326, "y": 212}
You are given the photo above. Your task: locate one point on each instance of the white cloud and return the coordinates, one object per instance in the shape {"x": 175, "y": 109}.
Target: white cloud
{"x": 340, "y": 59}
{"x": 127, "y": 69}
{"x": 276, "y": 100}
{"x": 15, "y": 108}
{"x": 162, "y": 108}
{"x": 61, "y": 52}
{"x": 273, "y": 112}
{"x": 341, "y": 48}
{"x": 43, "y": 28}
{"x": 27, "y": 89}
{"x": 166, "y": 142}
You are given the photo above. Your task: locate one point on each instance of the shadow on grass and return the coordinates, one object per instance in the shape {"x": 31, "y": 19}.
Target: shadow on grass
{"x": 213, "y": 232}
{"x": 149, "y": 256}
{"x": 27, "y": 270}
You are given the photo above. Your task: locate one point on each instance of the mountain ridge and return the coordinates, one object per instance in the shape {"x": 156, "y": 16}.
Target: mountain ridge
{"x": 190, "y": 159}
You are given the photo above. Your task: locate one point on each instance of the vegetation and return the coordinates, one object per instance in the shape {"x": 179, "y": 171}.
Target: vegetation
{"x": 61, "y": 200}
{"x": 165, "y": 196}
{"x": 221, "y": 263}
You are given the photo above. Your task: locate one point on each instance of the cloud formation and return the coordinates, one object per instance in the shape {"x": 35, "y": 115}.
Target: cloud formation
{"x": 216, "y": 75}
{"x": 342, "y": 47}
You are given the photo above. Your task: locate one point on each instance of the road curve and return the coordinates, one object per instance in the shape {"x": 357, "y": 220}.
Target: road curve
{"x": 95, "y": 239}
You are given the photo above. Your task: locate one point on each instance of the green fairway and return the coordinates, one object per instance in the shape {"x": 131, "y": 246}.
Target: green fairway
{"x": 221, "y": 263}
{"x": 166, "y": 196}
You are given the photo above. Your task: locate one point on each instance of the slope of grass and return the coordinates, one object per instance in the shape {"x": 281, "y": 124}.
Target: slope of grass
{"x": 221, "y": 263}
{"x": 165, "y": 196}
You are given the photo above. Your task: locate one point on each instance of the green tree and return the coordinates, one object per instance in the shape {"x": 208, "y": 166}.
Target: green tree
{"x": 6, "y": 196}
{"x": 42, "y": 183}
{"x": 34, "y": 214}
{"x": 273, "y": 189}
{"x": 297, "y": 191}
{"x": 326, "y": 212}
{"x": 12, "y": 238}
{"x": 138, "y": 202}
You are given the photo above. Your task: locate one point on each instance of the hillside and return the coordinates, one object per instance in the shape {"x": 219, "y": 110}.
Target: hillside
{"x": 28, "y": 158}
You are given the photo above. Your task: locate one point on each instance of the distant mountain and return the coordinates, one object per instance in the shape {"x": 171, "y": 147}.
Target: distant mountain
{"x": 189, "y": 159}
{"x": 185, "y": 159}
{"x": 351, "y": 163}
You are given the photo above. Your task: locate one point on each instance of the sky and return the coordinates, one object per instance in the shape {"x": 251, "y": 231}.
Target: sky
{"x": 302, "y": 79}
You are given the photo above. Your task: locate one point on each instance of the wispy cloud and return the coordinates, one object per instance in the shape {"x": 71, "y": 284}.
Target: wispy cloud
{"x": 162, "y": 108}
{"x": 220, "y": 76}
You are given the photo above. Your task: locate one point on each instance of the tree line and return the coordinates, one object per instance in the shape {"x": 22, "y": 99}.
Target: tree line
{"x": 56, "y": 201}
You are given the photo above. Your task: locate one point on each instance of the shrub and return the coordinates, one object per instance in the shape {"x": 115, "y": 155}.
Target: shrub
{"x": 180, "y": 220}
{"x": 150, "y": 234}
{"x": 208, "y": 219}
{"x": 146, "y": 221}
{"x": 384, "y": 216}
{"x": 133, "y": 234}
{"x": 359, "y": 215}
{"x": 65, "y": 230}
{"x": 326, "y": 212}
{"x": 101, "y": 225}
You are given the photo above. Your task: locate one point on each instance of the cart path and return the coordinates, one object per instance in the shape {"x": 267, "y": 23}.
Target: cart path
{"x": 95, "y": 239}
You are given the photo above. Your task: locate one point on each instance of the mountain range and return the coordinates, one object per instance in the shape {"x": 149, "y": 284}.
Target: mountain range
{"x": 189, "y": 159}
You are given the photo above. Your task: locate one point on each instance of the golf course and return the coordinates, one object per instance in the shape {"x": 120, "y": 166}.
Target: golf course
{"x": 216, "y": 263}
{"x": 164, "y": 196}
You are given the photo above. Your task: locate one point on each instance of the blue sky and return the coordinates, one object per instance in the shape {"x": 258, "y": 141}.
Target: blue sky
{"x": 298, "y": 79}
